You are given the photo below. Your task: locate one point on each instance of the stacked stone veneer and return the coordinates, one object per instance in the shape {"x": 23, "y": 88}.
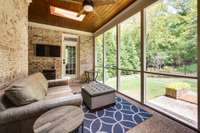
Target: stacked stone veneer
{"x": 86, "y": 54}
{"x": 46, "y": 36}
{"x": 37, "y": 64}
{"x": 13, "y": 40}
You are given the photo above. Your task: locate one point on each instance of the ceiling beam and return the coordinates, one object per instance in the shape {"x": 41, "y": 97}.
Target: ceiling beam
{"x": 56, "y": 28}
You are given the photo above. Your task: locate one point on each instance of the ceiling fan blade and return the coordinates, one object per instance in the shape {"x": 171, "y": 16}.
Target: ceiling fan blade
{"x": 103, "y": 2}
{"x": 74, "y": 1}
{"x": 81, "y": 12}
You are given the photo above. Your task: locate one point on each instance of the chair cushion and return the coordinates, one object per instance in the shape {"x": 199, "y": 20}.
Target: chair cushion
{"x": 57, "y": 82}
{"x": 26, "y": 90}
{"x": 59, "y": 95}
{"x": 42, "y": 80}
{"x": 4, "y": 101}
{"x": 2, "y": 107}
{"x": 97, "y": 89}
{"x": 20, "y": 96}
{"x": 59, "y": 91}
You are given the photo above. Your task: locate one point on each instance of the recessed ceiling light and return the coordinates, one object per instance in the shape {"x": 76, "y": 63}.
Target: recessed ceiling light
{"x": 66, "y": 13}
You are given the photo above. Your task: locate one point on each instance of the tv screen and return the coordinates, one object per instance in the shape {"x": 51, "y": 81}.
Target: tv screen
{"x": 47, "y": 50}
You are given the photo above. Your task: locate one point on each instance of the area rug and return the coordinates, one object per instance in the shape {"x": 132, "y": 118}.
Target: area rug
{"x": 116, "y": 119}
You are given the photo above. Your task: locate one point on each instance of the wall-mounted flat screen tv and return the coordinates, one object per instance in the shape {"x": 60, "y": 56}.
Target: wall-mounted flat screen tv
{"x": 46, "y": 50}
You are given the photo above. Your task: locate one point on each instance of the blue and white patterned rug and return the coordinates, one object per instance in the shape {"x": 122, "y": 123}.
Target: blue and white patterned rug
{"x": 116, "y": 119}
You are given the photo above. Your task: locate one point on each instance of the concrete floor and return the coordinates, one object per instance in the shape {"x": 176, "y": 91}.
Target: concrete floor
{"x": 182, "y": 110}
{"x": 158, "y": 123}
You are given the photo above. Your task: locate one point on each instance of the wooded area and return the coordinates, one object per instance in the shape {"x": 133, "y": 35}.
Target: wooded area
{"x": 171, "y": 39}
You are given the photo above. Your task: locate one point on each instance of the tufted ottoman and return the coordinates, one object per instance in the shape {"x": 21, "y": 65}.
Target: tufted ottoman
{"x": 97, "y": 95}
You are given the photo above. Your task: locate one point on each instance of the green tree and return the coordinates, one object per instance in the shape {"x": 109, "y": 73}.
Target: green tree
{"x": 130, "y": 43}
{"x": 110, "y": 52}
{"x": 172, "y": 29}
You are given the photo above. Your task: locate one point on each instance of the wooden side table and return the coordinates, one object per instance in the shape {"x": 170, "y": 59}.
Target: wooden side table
{"x": 65, "y": 119}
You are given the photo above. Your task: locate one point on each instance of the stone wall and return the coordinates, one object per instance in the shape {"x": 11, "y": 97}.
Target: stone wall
{"x": 86, "y": 54}
{"x": 13, "y": 40}
{"x": 47, "y": 36}
{"x": 43, "y": 36}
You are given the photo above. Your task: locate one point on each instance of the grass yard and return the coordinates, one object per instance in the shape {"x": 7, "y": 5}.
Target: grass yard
{"x": 155, "y": 86}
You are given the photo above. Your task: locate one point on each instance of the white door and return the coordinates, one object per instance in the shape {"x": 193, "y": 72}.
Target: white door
{"x": 69, "y": 60}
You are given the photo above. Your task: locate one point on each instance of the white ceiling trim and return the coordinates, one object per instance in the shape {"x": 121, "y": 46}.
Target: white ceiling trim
{"x": 56, "y": 28}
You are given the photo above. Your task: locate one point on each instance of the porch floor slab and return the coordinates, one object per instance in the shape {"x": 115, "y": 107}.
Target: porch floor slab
{"x": 181, "y": 110}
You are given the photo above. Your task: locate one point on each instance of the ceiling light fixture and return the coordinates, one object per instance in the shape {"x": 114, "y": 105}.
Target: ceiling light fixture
{"x": 88, "y": 5}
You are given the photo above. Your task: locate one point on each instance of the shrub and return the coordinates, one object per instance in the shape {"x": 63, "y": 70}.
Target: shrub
{"x": 178, "y": 85}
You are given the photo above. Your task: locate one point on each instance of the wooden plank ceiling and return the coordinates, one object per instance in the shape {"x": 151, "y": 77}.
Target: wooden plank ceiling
{"x": 39, "y": 12}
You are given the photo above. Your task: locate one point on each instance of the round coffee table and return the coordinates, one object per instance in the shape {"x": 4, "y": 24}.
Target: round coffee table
{"x": 65, "y": 119}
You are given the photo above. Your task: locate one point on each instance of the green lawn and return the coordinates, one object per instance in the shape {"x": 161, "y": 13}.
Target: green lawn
{"x": 192, "y": 68}
{"x": 155, "y": 85}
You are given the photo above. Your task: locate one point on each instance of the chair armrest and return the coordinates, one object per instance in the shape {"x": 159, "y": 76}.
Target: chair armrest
{"x": 57, "y": 82}
{"x": 38, "y": 108}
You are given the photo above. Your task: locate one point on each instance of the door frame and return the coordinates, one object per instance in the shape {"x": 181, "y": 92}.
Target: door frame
{"x": 63, "y": 54}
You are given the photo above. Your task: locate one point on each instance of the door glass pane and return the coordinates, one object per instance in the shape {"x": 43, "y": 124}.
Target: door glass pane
{"x": 130, "y": 84}
{"x": 70, "y": 56}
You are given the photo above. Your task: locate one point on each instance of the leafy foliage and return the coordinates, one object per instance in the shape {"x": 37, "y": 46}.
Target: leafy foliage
{"x": 130, "y": 43}
{"x": 171, "y": 39}
{"x": 172, "y": 33}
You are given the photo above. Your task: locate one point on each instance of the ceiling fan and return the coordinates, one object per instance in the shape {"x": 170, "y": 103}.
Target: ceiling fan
{"x": 90, "y": 5}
